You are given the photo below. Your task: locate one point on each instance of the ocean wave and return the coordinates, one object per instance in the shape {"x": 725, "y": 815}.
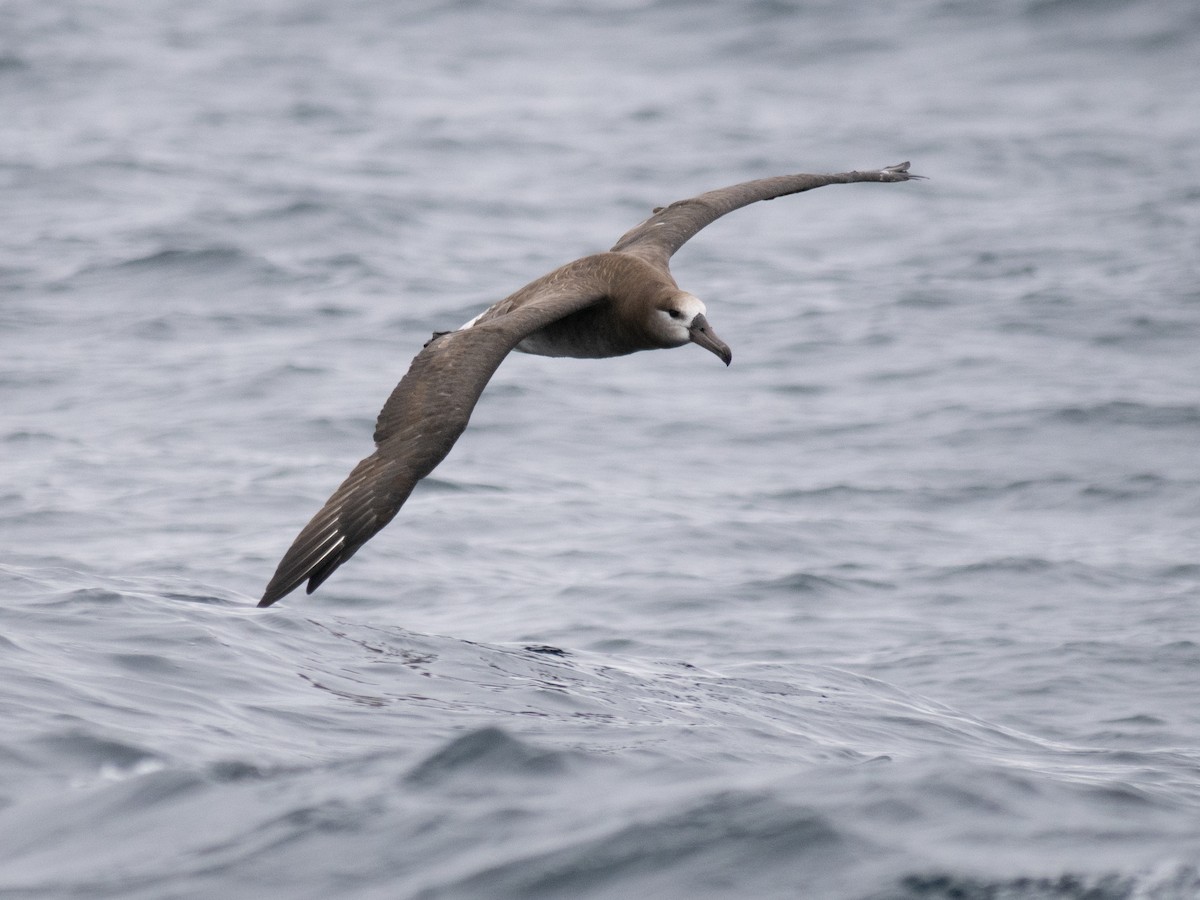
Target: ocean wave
{"x": 1177, "y": 882}
{"x": 1126, "y": 412}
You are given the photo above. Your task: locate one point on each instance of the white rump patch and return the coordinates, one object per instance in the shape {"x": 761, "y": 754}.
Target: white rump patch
{"x": 466, "y": 325}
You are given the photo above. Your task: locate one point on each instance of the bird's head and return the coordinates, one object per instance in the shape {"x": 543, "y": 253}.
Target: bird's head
{"x": 679, "y": 319}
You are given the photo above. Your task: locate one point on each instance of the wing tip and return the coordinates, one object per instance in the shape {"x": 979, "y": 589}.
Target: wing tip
{"x": 315, "y": 578}
{"x": 277, "y": 590}
{"x": 313, "y": 567}
{"x": 899, "y": 172}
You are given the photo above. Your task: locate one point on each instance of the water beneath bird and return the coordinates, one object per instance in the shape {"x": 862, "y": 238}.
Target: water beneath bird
{"x": 902, "y": 604}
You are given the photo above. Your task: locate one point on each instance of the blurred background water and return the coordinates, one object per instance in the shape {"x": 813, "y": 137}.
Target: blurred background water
{"x": 903, "y": 604}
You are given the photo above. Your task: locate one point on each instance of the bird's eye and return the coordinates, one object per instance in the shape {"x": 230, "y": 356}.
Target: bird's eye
{"x": 674, "y": 314}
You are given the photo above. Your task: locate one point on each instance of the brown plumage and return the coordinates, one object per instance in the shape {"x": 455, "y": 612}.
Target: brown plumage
{"x": 609, "y": 304}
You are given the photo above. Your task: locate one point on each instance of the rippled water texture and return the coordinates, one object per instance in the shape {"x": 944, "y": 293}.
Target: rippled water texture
{"x": 901, "y": 605}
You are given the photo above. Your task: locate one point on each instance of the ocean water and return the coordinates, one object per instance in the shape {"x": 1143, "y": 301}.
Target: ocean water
{"x": 903, "y": 604}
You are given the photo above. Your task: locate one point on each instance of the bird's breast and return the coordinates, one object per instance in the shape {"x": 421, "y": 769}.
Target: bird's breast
{"x": 590, "y": 334}
{"x": 553, "y": 342}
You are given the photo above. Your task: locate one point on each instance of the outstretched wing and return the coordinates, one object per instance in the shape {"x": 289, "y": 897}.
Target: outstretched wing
{"x": 656, "y": 239}
{"x": 420, "y": 422}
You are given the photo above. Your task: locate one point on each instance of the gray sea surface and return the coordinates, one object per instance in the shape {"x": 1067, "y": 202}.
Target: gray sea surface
{"x": 903, "y": 604}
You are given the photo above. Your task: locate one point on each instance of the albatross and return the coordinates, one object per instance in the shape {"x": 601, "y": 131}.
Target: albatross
{"x": 607, "y": 304}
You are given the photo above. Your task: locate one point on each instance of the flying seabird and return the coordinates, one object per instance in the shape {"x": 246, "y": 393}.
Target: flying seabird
{"x": 608, "y": 304}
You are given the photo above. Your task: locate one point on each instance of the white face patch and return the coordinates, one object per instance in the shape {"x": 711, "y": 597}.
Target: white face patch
{"x": 673, "y": 321}
{"x": 691, "y": 306}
